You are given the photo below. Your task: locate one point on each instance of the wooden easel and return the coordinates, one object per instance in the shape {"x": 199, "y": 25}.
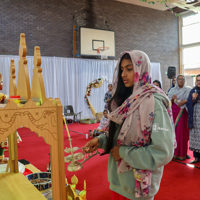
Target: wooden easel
{"x": 45, "y": 120}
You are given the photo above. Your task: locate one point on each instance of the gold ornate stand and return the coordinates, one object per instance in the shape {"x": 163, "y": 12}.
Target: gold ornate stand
{"x": 44, "y": 119}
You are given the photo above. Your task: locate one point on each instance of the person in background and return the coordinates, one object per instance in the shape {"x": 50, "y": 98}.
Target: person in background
{"x": 108, "y": 96}
{"x": 178, "y": 96}
{"x": 141, "y": 136}
{"x": 193, "y": 105}
{"x": 157, "y": 83}
{"x": 104, "y": 123}
{"x": 103, "y": 126}
{"x": 173, "y": 83}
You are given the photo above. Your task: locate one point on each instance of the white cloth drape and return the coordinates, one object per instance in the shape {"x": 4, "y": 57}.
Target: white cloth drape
{"x": 155, "y": 72}
{"x": 68, "y": 78}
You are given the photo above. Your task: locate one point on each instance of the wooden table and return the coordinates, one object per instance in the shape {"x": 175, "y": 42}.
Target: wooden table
{"x": 16, "y": 186}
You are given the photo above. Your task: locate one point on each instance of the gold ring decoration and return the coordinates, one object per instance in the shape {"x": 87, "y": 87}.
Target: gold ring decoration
{"x": 94, "y": 84}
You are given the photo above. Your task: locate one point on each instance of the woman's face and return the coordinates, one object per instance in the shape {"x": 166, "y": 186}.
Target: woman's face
{"x": 128, "y": 74}
{"x": 180, "y": 81}
{"x": 156, "y": 84}
{"x": 110, "y": 87}
{"x": 198, "y": 81}
{"x": 105, "y": 114}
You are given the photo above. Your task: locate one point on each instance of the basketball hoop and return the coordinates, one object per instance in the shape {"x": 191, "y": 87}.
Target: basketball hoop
{"x": 101, "y": 50}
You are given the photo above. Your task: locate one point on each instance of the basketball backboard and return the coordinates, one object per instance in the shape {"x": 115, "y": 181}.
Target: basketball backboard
{"x": 96, "y": 42}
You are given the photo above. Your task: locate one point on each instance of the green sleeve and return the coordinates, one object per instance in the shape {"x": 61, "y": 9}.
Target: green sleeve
{"x": 102, "y": 141}
{"x": 161, "y": 149}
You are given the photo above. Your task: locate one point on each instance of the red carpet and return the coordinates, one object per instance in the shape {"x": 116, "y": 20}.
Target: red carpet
{"x": 180, "y": 182}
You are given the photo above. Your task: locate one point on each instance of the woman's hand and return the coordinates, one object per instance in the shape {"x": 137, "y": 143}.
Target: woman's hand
{"x": 181, "y": 103}
{"x": 174, "y": 97}
{"x": 115, "y": 152}
{"x": 91, "y": 146}
{"x": 194, "y": 96}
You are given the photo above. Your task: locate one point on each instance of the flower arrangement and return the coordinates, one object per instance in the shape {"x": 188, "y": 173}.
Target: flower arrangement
{"x": 94, "y": 84}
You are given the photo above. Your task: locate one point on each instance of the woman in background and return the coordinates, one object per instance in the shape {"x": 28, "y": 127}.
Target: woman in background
{"x": 104, "y": 123}
{"x": 103, "y": 127}
{"x": 173, "y": 83}
{"x": 193, "y": 105}
{"x": 141, "y": 138}
{"x": 107, "y": 96}
{"x": 178, "y": 96}
{"x": 157, "y": 83}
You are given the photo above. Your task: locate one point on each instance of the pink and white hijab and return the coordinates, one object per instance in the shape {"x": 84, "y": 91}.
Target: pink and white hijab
{"x": 137, "y": 114}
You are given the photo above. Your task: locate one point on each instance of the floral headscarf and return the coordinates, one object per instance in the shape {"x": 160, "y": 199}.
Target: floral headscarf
{"x": 137, "y": 114}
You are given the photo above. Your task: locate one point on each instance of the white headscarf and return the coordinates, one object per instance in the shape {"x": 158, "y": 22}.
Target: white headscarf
{"x": 181, "y": 93}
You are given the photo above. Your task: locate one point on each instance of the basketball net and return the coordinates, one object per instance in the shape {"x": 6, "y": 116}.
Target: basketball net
{"x": 102, "y": 52}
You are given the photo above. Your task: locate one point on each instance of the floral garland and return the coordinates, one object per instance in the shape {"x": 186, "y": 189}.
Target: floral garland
{"x": 94, "y": 84}
{"x": 153, "y": 2}
{"x": 165, "y": 2}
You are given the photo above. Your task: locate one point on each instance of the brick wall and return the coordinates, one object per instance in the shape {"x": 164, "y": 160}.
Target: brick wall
{"x": 48, "y": 24}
